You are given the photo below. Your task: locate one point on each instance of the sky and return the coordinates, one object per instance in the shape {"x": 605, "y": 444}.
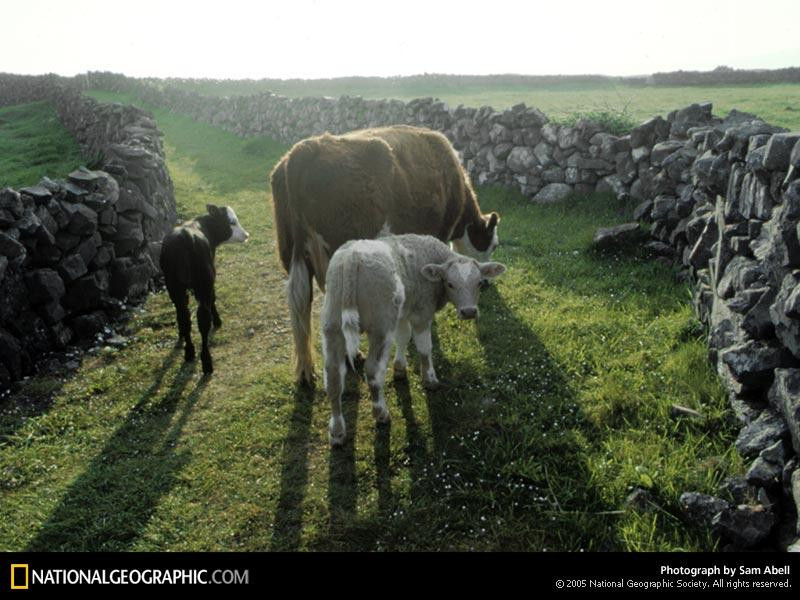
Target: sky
{"x": 236, "y": 39}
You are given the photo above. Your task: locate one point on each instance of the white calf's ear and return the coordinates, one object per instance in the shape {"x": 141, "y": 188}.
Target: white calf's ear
{"x": 432, "y": 272}
{"x": 491, "y": 269}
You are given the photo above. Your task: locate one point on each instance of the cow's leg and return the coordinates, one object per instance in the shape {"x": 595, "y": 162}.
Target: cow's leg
{"x": 299, "y": 291}
{"x": 180, "y": 298}
{"x": 205, "y": 300}
{"x": 402, "y": 337}
{"x": 333, "y": 349}
{"x": 422, "y": 340}
{"x": 380, "y": 347}
{"x": 215, "y": 315}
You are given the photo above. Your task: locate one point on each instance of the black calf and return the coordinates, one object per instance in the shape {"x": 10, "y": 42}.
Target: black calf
{"x": 187, "y": 261}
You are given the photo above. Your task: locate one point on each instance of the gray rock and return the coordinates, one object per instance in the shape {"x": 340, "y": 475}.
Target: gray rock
{"x": 44, "y": 285}
{"x": 784, "y": 397}
{"x": 613, "y": 184}
{"x": 87, "y": 292}
{"x": 763, "y": 473}
{"x": 778, "y": 151}
{"x": 767, "y": 429}
{"x": 663, "y": 150}
{"x": 82, "y": 219}
{"x": 643, "y": 211}
{"x": 11, "y": 201}
{"x": 39, "y": 193}
{"x": 745, "y": 526}
{"x": 553, "y": 192}
{"x": 691, "y": 116}
{"x": 607, "y": 238}
{"x": 701, "y": 508}
{"x": 72, "y": 267}
{"x": 10, "y": 247}
{"x": 663, "y": 205}
{"x": 752, "y": 362}
{"x": 550, "y": 133}
{"x": 521, "y": 159}
{"x": 543, "y": 154}
{"x": 501, "y": 151}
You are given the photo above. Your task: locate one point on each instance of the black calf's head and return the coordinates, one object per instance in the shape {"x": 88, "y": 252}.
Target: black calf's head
{"x": 224, "y": 225}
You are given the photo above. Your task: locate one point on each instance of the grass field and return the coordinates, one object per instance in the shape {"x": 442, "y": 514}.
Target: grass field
{"x": 557, "y": 407}
{"x": 778, "y": 104}
{"x": 33, "y": 143}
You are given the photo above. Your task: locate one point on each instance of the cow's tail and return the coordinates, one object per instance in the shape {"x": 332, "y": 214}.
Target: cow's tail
{"x": 298, "y": 290}
{"x": 351, "y": 328}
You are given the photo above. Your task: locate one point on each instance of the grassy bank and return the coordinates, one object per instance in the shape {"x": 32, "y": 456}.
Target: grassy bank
{"x": 33, "y": 143}
{"x": 556, "y": 407}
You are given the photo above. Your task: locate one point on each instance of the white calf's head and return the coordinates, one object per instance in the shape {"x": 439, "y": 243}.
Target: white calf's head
{"x": 238, "y": 234}
{"x": 462, "y": 279}
{"x": 224, "y": 225}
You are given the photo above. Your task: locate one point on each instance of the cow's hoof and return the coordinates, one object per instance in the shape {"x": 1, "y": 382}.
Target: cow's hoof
{"x": 188, "y": 353}
{"x": 381, "y": 413}
{"x": 400, "y": 373}
{"x": 336, "y": 432}
{"x": 358, "y": 361}
{"x": 217, "y": 323}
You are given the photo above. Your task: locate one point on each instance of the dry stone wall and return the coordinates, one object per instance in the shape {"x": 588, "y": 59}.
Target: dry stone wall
{"x": 76, "y": 252}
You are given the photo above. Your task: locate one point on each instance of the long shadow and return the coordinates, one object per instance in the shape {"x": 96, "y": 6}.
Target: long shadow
{"x": 342, "y": 479}
{"x": 288, "y": 524}
{"x": 416, "y": 448}
{"x": 107, "y": 507}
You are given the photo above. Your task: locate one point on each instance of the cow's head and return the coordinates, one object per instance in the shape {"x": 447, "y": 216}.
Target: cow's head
{"x": 462, "y": 277}
{"x": 479, "y": 239}
{"x": 226, "y": 224}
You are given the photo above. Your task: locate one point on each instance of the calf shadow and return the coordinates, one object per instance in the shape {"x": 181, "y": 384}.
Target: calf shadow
{"x": 288, "y": 523}
{"x": 108, "y": 506}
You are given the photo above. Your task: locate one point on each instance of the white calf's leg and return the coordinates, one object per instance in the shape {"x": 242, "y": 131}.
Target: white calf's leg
{"x": 333, "y": 348}
{"x": 401, "y": 338}
{"x": 380, "y": 347}
{"x": 422, "y": 340}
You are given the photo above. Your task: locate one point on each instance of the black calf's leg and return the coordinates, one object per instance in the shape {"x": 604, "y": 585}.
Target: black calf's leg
{"x": 180, "y": 299}
{"x": 215, "y": 315}
{"x": 204, "y": 323}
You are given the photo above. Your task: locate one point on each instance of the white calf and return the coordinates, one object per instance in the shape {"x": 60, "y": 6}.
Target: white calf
{"x": 391, "y": 288}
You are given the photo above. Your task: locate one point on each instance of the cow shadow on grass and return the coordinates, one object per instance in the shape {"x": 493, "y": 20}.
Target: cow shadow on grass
{"x": 108, "y": 506}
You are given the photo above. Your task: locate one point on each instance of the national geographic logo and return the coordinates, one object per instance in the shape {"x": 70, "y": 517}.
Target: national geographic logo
{"x": 19, "y": 577}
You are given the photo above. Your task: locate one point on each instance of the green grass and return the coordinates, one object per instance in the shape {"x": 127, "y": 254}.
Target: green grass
{"x": 556, "y": 408}
{"x": 775, "y": 103}
{"x": 34, "y": 144}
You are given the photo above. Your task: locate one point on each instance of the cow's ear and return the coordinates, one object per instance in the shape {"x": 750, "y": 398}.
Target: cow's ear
{"x": 494, "y": 219}
{"x": 491, "y": 269}
{"x": 432, "y": 272}
{"x": 212, "y": 210}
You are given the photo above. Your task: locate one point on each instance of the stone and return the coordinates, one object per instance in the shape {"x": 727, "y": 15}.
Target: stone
{"x": 10, "y": 200}
{"x": 10, "y": 247}
{"x": 502, "y": 150}
{"x": 40, "y": 194}
{"x": 44, "y": 285}
{"x": 553, "y": 192}
{"x": 608, "y": 238}
{"x": 612, "y": 184}
{"x": 86, "y": 326}
{"x": 752, "y": 362}
{"x": 61, "y": 335}
{"x": 663, "y": 205}
{"x": 521, "y": 159}
{"x": 691, "y": 116}
{"x": 662, "y": 150}
{"x": 777, "y": 245}
{"x": 784, "y": 397}
{"x": 87, "y": 292}
{"x": 550, "y": 133}
{"x": 553, "y": 175}
{"x": 762, "y": 473}
{"x": 11, "y": 354}
{"x": 3, "y": 267}
{"x": 72, "y": 267}
{"x": 52, "y": 312}
{"x": 131, "y": 278}
{"x": 701, "y": 508}
{"x": 767, "y": 429}
{"x": 543, "y": 154}
{"x": 82, "y": 219}
{"x": 649, "y": 132}
{"x": 88, "y": 248}
{"x": 643, "y": 211}
{"x": 779, "y": 150}
{"x": 745, "y": 526}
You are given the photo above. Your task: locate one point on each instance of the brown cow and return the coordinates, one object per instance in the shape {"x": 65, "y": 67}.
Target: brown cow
{"x": 330, "y": 189}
